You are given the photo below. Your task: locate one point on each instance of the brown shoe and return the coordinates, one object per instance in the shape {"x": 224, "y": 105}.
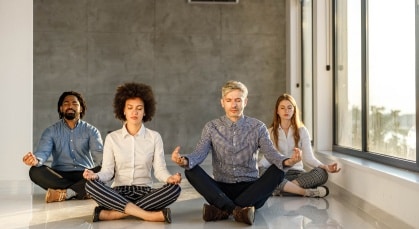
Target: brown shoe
{"x": 212, "y": 213}
{"x": 245, "y": 215}
{"x": 55, "y": 195}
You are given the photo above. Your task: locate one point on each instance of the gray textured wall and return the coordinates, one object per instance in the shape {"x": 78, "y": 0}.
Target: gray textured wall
{"x": 185, "y": 52}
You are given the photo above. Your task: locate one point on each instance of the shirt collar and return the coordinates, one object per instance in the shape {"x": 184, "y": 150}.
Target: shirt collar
{"x": 65, "y": 123}
{"x": 231, "y": 123}
{"x": 291, "y": 127}
{"x": 125, "y": 132}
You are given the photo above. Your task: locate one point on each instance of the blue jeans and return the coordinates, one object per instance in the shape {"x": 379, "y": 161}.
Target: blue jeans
{"x": 227, "y": 196}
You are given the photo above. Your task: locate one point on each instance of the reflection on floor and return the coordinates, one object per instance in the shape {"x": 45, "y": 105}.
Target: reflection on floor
{"x": 30, "y": 211}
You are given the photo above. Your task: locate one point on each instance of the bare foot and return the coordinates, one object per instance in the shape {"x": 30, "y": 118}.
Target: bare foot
{"x": 111, "y": 215}
{"x": 155, "y": 216}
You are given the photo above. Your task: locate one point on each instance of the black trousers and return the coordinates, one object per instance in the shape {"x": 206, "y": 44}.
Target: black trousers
{"x": 47, "y": 177}
{"x": 227, "y": 196}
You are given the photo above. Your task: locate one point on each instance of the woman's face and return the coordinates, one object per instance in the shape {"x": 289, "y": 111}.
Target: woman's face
{"x": 134, "y": 110}
{"x": 285, "y": 110}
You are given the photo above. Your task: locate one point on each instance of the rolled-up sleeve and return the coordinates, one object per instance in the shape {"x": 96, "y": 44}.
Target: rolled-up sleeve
{"x": 202, "y": 148}
{"x": 45, "y": 146}
{"x": 96, "y": 146}
{"x": 267, "y": 147}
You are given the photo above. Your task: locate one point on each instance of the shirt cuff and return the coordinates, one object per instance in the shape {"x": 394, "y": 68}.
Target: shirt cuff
{"x": 40, "y": 162}
{"x": 283, "y": 163}
{"x": 187, "y": 165}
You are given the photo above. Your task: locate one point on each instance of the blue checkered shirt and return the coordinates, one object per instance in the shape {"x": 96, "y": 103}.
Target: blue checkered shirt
{"x": 234, "y": 147}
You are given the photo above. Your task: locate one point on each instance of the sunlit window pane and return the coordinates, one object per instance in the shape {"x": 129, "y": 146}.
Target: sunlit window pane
{"x": 348, "y": 74}
{"x": 391, "y": 78}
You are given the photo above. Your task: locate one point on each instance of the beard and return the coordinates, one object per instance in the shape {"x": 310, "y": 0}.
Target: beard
{"x": 70, "y": 115}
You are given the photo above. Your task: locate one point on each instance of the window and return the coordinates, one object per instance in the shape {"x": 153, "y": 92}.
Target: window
{"x": 375, "y": 80}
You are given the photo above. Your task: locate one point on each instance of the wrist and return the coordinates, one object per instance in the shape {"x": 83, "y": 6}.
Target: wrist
{"x": 38, "y": 162}
{"x": 185, "y": 161}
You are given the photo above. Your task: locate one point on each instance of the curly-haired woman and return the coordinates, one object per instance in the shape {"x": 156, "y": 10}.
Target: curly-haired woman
{"x": 130, "y": 154}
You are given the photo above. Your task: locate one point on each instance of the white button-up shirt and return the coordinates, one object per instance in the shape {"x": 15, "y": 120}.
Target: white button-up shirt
{"x": 286, "y": 146}
{"x": 131, "y": 158}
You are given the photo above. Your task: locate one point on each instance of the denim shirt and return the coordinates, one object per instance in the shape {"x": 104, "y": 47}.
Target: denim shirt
{"x": 235, "y": 148}
{"x": 71, "y": 149}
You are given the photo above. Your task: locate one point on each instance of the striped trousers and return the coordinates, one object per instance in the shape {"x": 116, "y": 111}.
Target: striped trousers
{"x": 145, "y": 197}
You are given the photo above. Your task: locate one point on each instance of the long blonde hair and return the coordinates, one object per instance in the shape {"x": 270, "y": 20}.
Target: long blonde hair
{"x": 295, "y": 120}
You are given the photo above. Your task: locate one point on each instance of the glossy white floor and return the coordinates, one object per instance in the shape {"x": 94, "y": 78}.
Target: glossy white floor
{"x": 30, "y": 211}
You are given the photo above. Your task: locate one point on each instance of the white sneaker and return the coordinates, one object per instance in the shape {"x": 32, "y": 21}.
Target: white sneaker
{"x": 320, "y": 191}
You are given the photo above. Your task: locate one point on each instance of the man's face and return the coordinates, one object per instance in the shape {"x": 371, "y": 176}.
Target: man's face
{"x": 71, "y": 107}
{"x": 234, "y": 103}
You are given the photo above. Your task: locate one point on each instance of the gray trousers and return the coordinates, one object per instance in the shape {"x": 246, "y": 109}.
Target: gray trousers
{"x": 310, "y": 179}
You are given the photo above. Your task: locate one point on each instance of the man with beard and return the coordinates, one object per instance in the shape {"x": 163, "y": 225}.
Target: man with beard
{"x": 74, "y": 144}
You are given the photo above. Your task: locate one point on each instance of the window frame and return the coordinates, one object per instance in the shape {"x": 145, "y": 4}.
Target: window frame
{"x": 363, "y": 153}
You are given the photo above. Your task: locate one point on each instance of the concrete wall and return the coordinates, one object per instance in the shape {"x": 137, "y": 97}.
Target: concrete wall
{"x": 184, "y": 51}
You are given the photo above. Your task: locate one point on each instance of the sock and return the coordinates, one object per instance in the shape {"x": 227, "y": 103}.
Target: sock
{"x": 70, "y": 193}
